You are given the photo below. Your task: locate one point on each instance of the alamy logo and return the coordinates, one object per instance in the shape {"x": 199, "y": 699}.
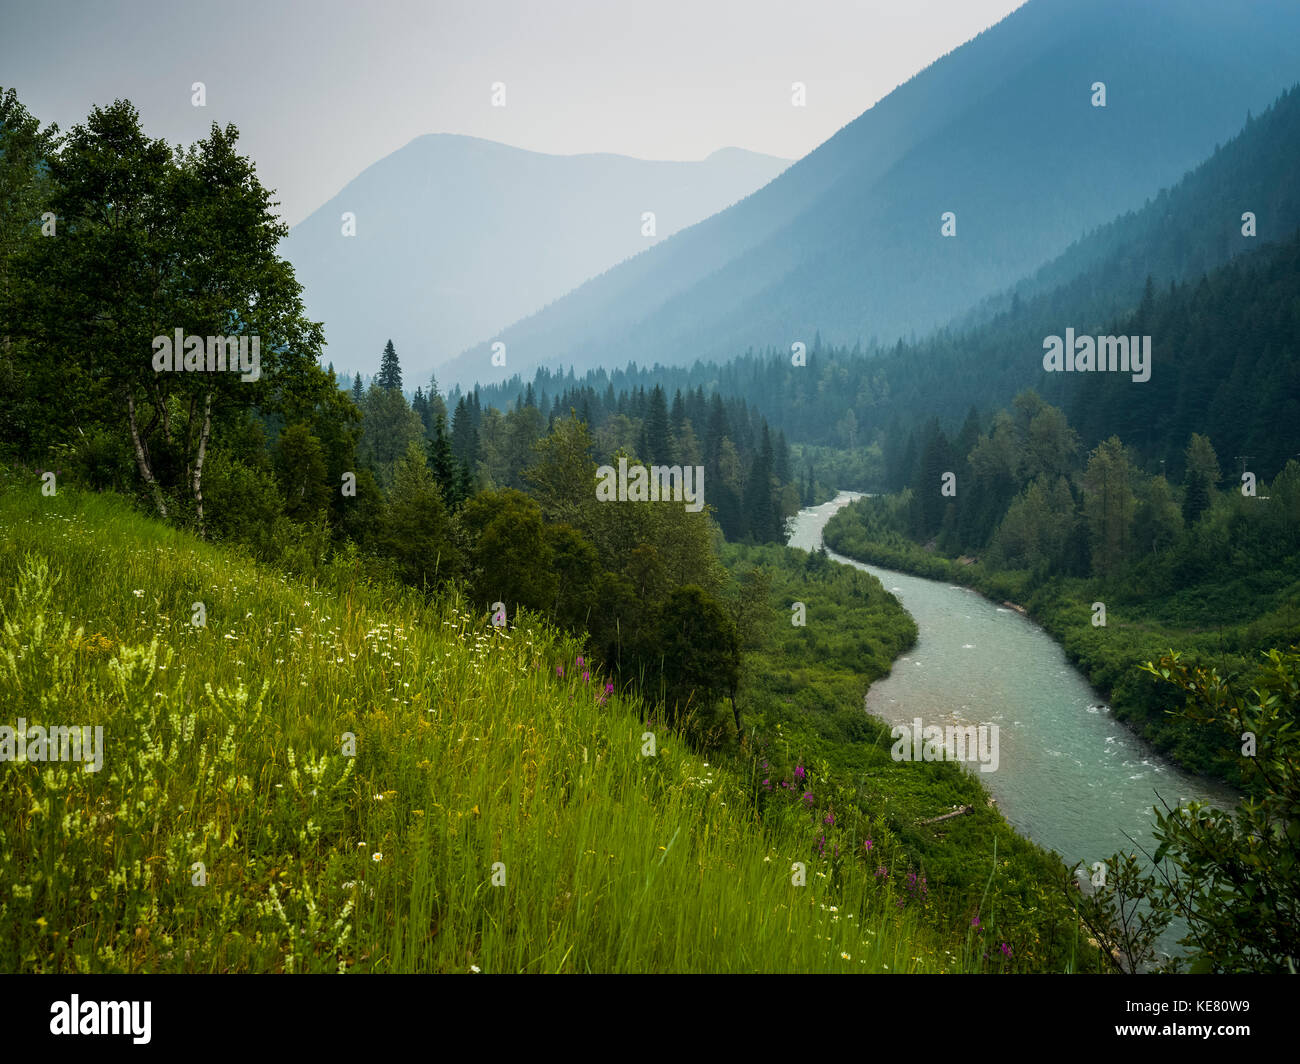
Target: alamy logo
{"x": 102, "y": 1017}
{"x": 61, "y": 743}
{"x": 967, "y": 742}
{"x": 1114, "y": 354}
{"x": 221, "y": 354}
{"x": 656, "y": 484}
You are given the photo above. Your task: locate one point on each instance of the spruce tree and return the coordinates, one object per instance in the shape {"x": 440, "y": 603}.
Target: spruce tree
{"x": 446, "y": 470}
{"x": 390, "y": 369}
{"x": 421, "y": 406}
{"x": 657, "y": 442}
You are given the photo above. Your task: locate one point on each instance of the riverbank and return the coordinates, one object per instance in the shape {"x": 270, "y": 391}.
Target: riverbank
{"x": 975, "y": 874}
{"x": 1071, "y": 778}
{"x": 1107, "y": 645}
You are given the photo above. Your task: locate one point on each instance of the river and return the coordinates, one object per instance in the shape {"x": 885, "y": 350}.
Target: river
{"x": 1070, "y": 776}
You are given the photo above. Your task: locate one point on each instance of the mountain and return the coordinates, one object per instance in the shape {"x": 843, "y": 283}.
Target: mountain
{"x": 456, "y": 235}
{"x": 1224, "y": 347}
{"x": 1002, "y": 131}
{"x": 1182, "y": 231}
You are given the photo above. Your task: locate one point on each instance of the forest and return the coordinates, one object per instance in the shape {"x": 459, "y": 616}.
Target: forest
{"x": 299, "y": 468}
{"x": 1208, "y": 562}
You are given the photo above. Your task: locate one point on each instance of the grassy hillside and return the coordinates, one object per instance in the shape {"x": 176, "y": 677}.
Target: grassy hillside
{"x": 803, "y": 704}
{"x": 224, "y": 744}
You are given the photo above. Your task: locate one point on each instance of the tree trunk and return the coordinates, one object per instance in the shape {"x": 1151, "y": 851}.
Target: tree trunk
{"x": 198, "y": 460}
{"x": 142, "y": 460}
{"x": 163, "y": 412}
{"x": 735, "y": 712}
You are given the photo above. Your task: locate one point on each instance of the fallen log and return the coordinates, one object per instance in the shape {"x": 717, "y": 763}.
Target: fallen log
{"x": 961, "y": 810}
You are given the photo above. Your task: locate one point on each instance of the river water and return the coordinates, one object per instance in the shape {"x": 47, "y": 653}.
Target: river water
{"x": 1070, "y": 776}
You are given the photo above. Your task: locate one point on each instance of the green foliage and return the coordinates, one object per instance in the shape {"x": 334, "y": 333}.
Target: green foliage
{"x": 389, "y": 427}
{"x": 225, "y": 744}
{"x": 1224, "y": 587}
{"x": 695, "y": 646}
{"x": 1233, "y": 876}
{"x": 300, "y": 465}
{"x": 511, "y": 553}
{"x": 418, "y": 534}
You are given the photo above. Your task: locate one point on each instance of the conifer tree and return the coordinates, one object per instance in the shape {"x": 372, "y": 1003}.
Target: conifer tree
{"x": 390, "y": 369}
{"x": 658, "y": 444}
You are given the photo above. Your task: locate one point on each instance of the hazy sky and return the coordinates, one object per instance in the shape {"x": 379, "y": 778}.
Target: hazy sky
{"x": 322, "y": 89}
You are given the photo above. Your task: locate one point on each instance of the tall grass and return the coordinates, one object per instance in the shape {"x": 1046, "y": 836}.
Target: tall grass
{"x": 499, "y": 813}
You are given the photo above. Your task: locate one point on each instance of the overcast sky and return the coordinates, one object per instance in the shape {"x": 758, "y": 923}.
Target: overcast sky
{"x": 321, "y": 89}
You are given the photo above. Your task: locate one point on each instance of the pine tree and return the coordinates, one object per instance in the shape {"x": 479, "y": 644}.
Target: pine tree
{"x": 464, "y": 433}
{"x": 437, "y": 406}
{"x": 446, "y": 470}
{"x": 717, "y": 430}
{"x": 390, "y": 369}
{"x": 421, "y": 406}
{"x": 657, "y": 442}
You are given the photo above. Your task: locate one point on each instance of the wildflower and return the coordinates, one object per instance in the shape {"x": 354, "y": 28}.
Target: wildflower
{"x": 609, "y": 689}
{"x": 376, "y": 857}
{"x": 974, "y": 921}
{"x": 1006, "y": 950}
{"x": 845, "y": 956}
{"x": 586, "y": 676}
{"x": 580, "y": 661}
{"x": 474, "y": 968}
{"x": 867, "y": 845}
{"x": 559, "y": 670}
{"x": 808, "y": 798}
{"x": 798, "y": 772}
{"x": 829, "y": 818}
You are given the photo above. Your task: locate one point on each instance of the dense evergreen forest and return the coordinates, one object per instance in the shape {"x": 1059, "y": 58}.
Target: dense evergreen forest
{"x": 750, "y": 485}
{"x": 301, "y": 469}
{"x": 1207, "y": 562}
{"x": 1226, "y": 363}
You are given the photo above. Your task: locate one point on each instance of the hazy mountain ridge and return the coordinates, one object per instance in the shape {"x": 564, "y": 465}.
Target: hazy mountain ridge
{"x": 1001, "y": 131}
{"x": 1185, "y": 230}
{"x": 456, "y": 234}
{"x": 1209, "y": 374}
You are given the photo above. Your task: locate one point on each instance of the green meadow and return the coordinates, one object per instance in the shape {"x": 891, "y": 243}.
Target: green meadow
{"x": 501, "y": 812}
